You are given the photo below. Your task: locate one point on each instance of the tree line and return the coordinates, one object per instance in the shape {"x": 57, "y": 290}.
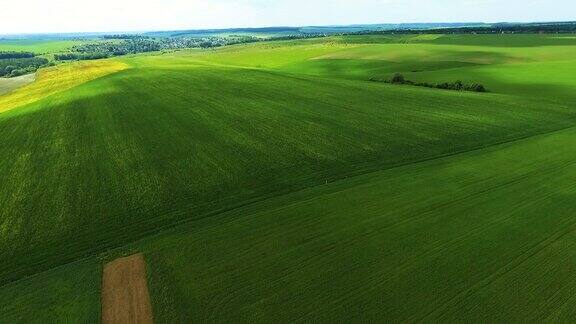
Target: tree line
{"x": 503, "y": 28}
{"x": 458, "y": 85}
{"x": 15, "y": 55}
{"x": 130, "y": 44}
{"x": 13, "y": 64}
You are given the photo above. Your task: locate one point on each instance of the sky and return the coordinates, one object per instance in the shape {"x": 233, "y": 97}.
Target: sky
{"x": 33, "y": 16}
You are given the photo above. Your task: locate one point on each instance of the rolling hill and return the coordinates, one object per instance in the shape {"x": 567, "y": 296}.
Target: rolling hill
{"x": 274, "y": 181}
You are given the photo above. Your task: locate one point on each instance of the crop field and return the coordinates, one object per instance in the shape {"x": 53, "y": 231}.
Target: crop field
{"x": 55, "y": 80}
{"x": 37, "y": 46}
{"x": 277, "y": 182}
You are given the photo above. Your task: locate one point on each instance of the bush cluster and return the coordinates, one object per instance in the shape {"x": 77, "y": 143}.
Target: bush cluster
{"x": 399, "y": 78}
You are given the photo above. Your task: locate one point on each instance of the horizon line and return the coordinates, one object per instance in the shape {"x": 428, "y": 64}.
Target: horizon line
{"x": 274, "y": 26}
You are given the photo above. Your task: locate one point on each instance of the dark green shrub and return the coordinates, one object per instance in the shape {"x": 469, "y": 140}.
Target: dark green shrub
{"x": 398, "y": 78}
{"x": 458, "y": 85}
{"x": 477, "y": 87}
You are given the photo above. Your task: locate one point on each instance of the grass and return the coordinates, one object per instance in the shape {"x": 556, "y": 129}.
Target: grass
{"x": 487, "y": 40}
{"x": 269, "y": 175}
{"x": 214, "y": 139}
{"x": 38, "y": 46}
{"x": 68, "y": 294}
{"x": 58, "y": 79}
{"x": 543, "y": 71}
{"x": 551, "y": 80}
{"x": 484, "y": 236}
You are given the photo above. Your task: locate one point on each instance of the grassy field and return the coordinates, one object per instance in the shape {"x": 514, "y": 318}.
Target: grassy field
{"x": 53, "y": 80}
{"x": 38, "y": 46}
{"x": 484, "y": 236}
{"x": 67, "y": 294}
{"x": 268, "y": 175}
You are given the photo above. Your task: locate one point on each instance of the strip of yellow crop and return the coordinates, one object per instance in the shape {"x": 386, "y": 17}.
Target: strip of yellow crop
{"x": 57, "y": 79}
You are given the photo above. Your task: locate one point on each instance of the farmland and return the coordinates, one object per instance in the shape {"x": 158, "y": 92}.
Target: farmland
{"x": 39, "y": 46}
{"x": 275, "y": 182}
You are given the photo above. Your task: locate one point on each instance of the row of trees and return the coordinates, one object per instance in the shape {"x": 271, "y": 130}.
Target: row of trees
{"x": 124, "y": 36}
{"x": 133, "y": 45}
{"x": 13, "y": 67}
{"x": 99, "y": 50}
{"x": 399, "y": 78}
{"x": 15, "y": 55}
{"x": 503, "y": 28}
{"x": 80, "y": 56}
{"x": 301, "y": 36}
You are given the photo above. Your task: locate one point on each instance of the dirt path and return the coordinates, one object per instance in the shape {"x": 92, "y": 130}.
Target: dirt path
{"x": 10, "y": 84}
{"x": 125, "y": 297}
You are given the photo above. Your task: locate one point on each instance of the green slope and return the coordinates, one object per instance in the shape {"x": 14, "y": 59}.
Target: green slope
{"x": 134, "y": 152}
{"x": 38, "y": 46}
{"x": 68, "y": 294}
{"x": 531, "y": 65}
{"x": 164, "y": 149}
{"x": 484, "y": 236}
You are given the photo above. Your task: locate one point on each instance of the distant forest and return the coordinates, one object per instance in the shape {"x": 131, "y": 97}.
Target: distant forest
{"x": 531, "y": 28}
{"x": 123, "y": 44}
{"x": 13, "y": 64}
{"x": 15, "y": 55}
{"x": 110, "y": 45}
{"x": 117, "y": 45}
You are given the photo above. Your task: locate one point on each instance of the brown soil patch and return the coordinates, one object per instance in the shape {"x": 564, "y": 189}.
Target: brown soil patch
{"x": 125, "y": 296}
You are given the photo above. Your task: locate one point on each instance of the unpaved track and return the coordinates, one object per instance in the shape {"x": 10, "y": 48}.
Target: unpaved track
{"x": 125, "y": 296}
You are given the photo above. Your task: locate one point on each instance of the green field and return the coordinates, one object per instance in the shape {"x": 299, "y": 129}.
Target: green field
{"x": 273, "y": 182}
{"x": 38, "y": 46}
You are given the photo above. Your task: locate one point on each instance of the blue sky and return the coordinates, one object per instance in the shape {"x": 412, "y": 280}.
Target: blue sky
{"x": 28, "y": 16}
